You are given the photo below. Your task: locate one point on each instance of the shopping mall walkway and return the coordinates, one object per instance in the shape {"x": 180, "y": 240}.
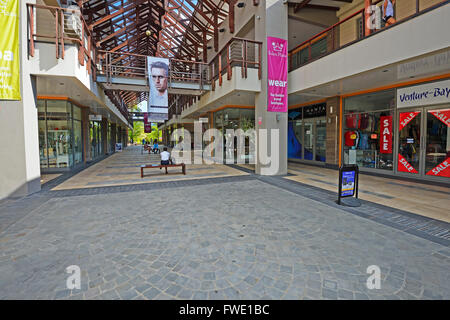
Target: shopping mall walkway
{"x": 219, "y": 232}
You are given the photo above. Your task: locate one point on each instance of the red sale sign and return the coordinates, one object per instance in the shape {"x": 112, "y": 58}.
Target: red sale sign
{"x": 443, "y": 115}
{"x": 386, "y": 134}
{"x": 442, "y": 170}
{"x": 405, "y": 166}
{"x": 406, "y": 117}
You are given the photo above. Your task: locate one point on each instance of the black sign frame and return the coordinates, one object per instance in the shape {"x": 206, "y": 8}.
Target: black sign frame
{"x": 342, "y": 170}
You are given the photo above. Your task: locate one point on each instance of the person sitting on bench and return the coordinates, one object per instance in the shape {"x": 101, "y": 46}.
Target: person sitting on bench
{"x": 165, "y": 157}
{"x": 156, "y": 148}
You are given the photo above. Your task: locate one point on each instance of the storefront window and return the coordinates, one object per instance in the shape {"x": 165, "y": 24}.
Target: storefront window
{"x": 59, "y": 134}
{"x": 43, "y": 154}
{"x": 368, "y": 130}
{"x": 77, "y": 135}
{"x": 307, "y": 133}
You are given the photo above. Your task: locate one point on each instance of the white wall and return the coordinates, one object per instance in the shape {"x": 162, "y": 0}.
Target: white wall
{"x": 19, "y": 140}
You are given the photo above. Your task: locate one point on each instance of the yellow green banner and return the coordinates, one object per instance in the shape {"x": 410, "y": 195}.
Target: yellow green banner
{"x": 9, "y": 50}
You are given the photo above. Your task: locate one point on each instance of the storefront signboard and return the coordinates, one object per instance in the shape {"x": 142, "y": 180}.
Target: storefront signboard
{"x": 426, "y": 94}
{"x": 9, "y": 50}
{"x": 277, "y": 63}
{"x": 118, "y": 147}
{"x": 386, "y": 134}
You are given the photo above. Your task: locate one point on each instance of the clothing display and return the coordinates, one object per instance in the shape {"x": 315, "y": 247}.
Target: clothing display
{"x": 362, "y": 134}
{"x": 351, "y": 121}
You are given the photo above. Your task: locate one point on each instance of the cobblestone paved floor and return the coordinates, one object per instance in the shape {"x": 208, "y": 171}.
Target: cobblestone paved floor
{"x": 235, "y": 238}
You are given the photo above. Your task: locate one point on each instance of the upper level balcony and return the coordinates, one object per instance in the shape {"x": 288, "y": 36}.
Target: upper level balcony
{"x": 63, "y": 57}
{"x": 349, "y": 48}
{"x": 235, "y": 76}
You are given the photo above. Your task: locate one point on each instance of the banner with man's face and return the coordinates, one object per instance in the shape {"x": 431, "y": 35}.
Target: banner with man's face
{"x": 158, "y": 73}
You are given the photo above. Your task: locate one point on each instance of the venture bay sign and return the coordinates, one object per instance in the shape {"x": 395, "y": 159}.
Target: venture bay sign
{"x": 426, "y": 94}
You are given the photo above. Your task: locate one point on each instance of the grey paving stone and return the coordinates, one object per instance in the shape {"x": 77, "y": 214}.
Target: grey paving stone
{"x": 345, "y": 294}
{"x": 173, "y": 290}
{"x": 128, "y": 294}
{"x": 361, "y": 296}
{"x": 329, "y": 294}
{"x": 330, "y": 284}
{"x": 284, "y": 245}
{"x": 185, "y": 294}
{"x": 143, "y": 287}
{"x": 151, "y": 293}
{"x": 200, "y": 295}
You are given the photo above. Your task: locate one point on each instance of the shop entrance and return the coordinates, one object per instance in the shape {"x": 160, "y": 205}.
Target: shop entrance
{"x": 307, "y": 129}
{"x": 424, "y": 142}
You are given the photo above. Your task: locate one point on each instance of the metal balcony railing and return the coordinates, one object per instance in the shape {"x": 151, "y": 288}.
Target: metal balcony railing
{"x": 353, "y": 29}
{"x": 245, "y": 53}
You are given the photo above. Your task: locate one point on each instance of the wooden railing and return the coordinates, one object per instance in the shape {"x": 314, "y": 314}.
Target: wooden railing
{"x": 61, "y": 26}
{"x": 353, "y": 29}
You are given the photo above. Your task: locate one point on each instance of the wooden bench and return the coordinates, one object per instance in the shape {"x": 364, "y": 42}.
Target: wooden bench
{"x": 144, "y": 166}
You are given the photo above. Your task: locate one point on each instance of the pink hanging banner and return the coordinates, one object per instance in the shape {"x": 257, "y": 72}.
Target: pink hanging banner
{"x": 277, "y": 63}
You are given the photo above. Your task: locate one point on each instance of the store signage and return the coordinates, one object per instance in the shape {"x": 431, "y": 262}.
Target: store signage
{"x": 118, "y": 147}
{"x": 317, "y": 110}
{"x": 406, "y": 117}
{"x": 442, "y": 170}
{"x": 431, "y": 64}
{"x": 386, "y": 134}
{"x": 157, "y": 106}
{"x": 426, "y": 94}
{"x": 277, "y": 64}
{"x": 404, "y": 165}
{"x": 9, "y": 50}
{"x": 95, "y": 117}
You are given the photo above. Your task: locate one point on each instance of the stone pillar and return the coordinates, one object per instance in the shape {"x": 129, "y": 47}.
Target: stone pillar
{"x": 332, "y": 142}
{"x": 272, "y": 22}
{"x": 20, "y": 172}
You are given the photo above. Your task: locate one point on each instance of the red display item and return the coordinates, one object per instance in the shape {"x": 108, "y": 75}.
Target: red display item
{"x": 405, "y": 166}
{"x": 351, "y": 121}
{"x": 386, "y": 134}
{"x": 441, "y": 170}
{"x": 350, "y": 137}
{"x": 363, "y": 121}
